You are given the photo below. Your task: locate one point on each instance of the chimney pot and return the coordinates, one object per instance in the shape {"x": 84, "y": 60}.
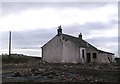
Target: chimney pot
{"x": 59, "y": 30}
{"x": 80, "y": 36}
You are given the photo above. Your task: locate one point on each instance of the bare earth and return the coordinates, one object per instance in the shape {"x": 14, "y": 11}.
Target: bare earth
{"x": 35, "y": 71}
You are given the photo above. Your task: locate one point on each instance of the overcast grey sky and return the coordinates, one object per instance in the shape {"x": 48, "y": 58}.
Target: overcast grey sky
{"x": 35, "y": 23}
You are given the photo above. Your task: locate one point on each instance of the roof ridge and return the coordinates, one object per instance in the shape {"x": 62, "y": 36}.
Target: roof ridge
{"x": 71, "y": 36}
{"x": 82, "y": 42}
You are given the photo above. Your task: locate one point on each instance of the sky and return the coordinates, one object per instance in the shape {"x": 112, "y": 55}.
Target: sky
{"x": 35, "y": 23}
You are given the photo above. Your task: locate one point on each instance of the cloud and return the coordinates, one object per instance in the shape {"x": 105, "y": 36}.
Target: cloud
{"x": 51, "y": 17}
{"x": 29, "y": 52}
{"x": 34, "y": 24}
{"x": 93, "y": 29}
{"x": 104, "y": 41}
{"x": 28, "y": 39}
{"x": 17, "y": 7}
{"x": 34, "y": 39}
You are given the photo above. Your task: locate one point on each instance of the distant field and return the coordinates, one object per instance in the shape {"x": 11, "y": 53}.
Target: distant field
{"x": 18, "y": 59}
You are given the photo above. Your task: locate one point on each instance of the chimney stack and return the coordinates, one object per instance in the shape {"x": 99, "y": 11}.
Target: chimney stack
{"x": 80, "y": 36}
{"x": 59, "y": 30}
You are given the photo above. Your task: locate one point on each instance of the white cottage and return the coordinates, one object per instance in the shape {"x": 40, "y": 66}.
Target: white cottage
{"x": 68, "y": 49}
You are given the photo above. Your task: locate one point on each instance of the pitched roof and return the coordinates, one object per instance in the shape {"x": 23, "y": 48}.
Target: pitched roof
{"x": 82, "y": 43}
{"x": 105, "y": 52}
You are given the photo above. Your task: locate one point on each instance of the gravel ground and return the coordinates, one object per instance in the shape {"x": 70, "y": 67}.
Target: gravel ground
{"x": 39, "y": 72}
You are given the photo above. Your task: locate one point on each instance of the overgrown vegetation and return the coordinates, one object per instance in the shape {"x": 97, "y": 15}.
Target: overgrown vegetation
{"x": 15, "y": 59}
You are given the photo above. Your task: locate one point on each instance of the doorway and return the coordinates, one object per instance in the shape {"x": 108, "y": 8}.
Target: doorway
{"x": 88, "y": 57}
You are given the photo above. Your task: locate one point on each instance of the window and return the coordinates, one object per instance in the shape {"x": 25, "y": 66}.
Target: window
{"x": 83, "y": 53}
{"x": 94, "y": 55}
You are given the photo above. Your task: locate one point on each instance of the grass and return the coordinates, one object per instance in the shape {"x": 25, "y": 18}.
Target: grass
{"x": 16, "y": 59}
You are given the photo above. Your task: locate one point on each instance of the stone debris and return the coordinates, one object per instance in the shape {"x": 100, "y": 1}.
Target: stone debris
{"x": 68, "y": 72}
{"x": 16, "y": 74}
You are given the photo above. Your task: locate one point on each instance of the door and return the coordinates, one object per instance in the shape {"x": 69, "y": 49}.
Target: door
{"x": 88, "y": 57}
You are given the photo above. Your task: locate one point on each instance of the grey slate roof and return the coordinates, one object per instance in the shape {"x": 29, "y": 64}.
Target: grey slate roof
{"x": 82, "y": 43}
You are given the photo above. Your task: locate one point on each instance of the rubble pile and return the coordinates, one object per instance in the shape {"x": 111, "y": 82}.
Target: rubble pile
{"x": 70, "y": 72}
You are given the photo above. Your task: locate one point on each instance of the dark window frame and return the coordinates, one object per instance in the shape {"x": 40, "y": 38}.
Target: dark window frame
{"x": 83, "y": 53}
{"x": 94, "y": 55}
